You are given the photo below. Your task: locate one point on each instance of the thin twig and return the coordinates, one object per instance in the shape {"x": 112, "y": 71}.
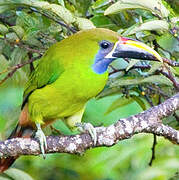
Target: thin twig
{"x": 146, "y": 97}
{"x": 30, "y": 54}
{"x": 176, "y": 117}
{"x": 171, "y": 62}
{"x": 133, "y": 67}
{"x": 171, "y": 78}
{"x": 158, "y": 91}
{"x": 153, "y": 149}
{"x": 16, "y": 67}
{"x": 28, "y": 48}
{"x": 22, "y": 45}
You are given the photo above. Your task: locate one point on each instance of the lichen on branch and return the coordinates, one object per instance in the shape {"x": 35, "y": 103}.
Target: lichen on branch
{"x": 149, "y": 121}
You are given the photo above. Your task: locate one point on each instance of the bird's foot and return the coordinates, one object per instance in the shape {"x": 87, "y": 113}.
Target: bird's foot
{"x": 82, "y": 127}
{"x": 40, "y": 136}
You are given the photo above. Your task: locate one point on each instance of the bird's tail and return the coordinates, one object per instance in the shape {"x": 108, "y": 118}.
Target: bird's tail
{"x": 19, "y": 131}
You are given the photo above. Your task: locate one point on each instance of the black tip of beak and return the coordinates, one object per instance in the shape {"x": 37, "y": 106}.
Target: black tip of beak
{"x": 134, "y": 54}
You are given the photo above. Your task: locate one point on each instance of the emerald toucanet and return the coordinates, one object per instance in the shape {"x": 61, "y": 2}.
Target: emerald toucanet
{"x": 70, "y": 73}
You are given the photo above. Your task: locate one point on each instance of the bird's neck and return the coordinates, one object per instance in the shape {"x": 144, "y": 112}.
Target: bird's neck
{"x": 101, "y": 66}
{"x": 101, "y": 63}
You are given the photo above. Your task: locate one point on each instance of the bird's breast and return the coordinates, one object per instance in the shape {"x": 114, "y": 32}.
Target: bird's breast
{"x": 82, "y": 85}
{"x": 67, "y": 95}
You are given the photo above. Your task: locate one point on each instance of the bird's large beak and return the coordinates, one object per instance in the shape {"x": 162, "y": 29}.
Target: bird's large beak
{"x": 129, "y": 48}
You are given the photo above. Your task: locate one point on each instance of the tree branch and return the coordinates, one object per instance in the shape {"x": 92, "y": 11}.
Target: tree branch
{"x": 170, "y": 76}
{"x": 148, "y": 121}
{"x": 153, "y": 149}
{"x": 24, "y": 46}
{"x": 15, "y": 68}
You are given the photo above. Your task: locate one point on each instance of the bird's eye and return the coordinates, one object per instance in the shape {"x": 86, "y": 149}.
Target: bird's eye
{"x": 105, "y": 44}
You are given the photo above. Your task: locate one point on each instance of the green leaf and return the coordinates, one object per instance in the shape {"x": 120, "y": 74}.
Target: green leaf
{"x": 132, "y": 63}
{"x": 18, "y": 30}
{"x": 120, "y": 102}
{"x": 17, "y": 174}
{"x": 100, "y": 3}
{"x": 61, "y": 11}
{"x": 2, "y": 123}
{"x": 19, "y": 78}
{"x": 155, "y": 66}
{"x": 11, "y": 37}
{"x": 83, "y": 23}
{"x": 101, "y": 21}
{"x": 175, "y": 20}
{"x": 155, "y": 6}
{"x": 149, "y": 26}
{"x": 25, "y": 20}
{"x": 168, "y": 42}
{"x": 5, "y": 49}
{"x": 4, "y": 8}
{"x": 17, "y": 55}
{"x": 3, "y": 29}
{"x": 80, "y": 7}
{"x": 3, "y": 63}
{"x": 54, "y": 9}
{"x": 139, "y": 101}
{"x": 5, "y": 178}
{"x": 176, "y": 70}
{"x": 61, "y": 2}
{"x": 159, "y": 79}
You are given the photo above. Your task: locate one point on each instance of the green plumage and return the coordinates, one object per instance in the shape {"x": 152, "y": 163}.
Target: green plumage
{"x": 64, "y": 80}
{"x": 69, "y": 74}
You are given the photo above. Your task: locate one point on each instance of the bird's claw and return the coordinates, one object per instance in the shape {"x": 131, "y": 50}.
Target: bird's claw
{"x": 82, "y": 127}
{"x": 40, "y": 136}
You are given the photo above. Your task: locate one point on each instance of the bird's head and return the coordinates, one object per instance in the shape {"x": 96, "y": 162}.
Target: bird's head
{"x": 99, "y": 47}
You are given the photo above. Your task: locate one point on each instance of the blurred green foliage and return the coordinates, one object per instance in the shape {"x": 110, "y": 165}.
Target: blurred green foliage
{"x": 29, "y": 27}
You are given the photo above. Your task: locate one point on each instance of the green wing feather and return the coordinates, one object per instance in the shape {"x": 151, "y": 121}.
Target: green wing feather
{"x": 47, "y": 71}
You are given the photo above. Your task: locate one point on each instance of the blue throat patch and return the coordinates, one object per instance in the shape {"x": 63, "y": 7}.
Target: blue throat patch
{"x": 101, "y": 64}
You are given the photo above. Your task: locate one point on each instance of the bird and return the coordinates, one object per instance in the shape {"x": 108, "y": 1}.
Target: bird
{"x": 70, "y": 73}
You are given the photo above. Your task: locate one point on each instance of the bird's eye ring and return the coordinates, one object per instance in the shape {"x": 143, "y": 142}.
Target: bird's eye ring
{"x": 105, "y": 44}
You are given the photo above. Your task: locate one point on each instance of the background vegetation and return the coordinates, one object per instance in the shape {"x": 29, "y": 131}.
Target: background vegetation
{"x": 29, "y": 27}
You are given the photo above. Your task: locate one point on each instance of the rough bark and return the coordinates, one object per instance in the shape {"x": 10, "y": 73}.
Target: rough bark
{"x": 149, "y": 121}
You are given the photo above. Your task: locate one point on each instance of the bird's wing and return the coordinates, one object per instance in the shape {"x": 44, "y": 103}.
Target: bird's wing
{"x": 46, "y": 72}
